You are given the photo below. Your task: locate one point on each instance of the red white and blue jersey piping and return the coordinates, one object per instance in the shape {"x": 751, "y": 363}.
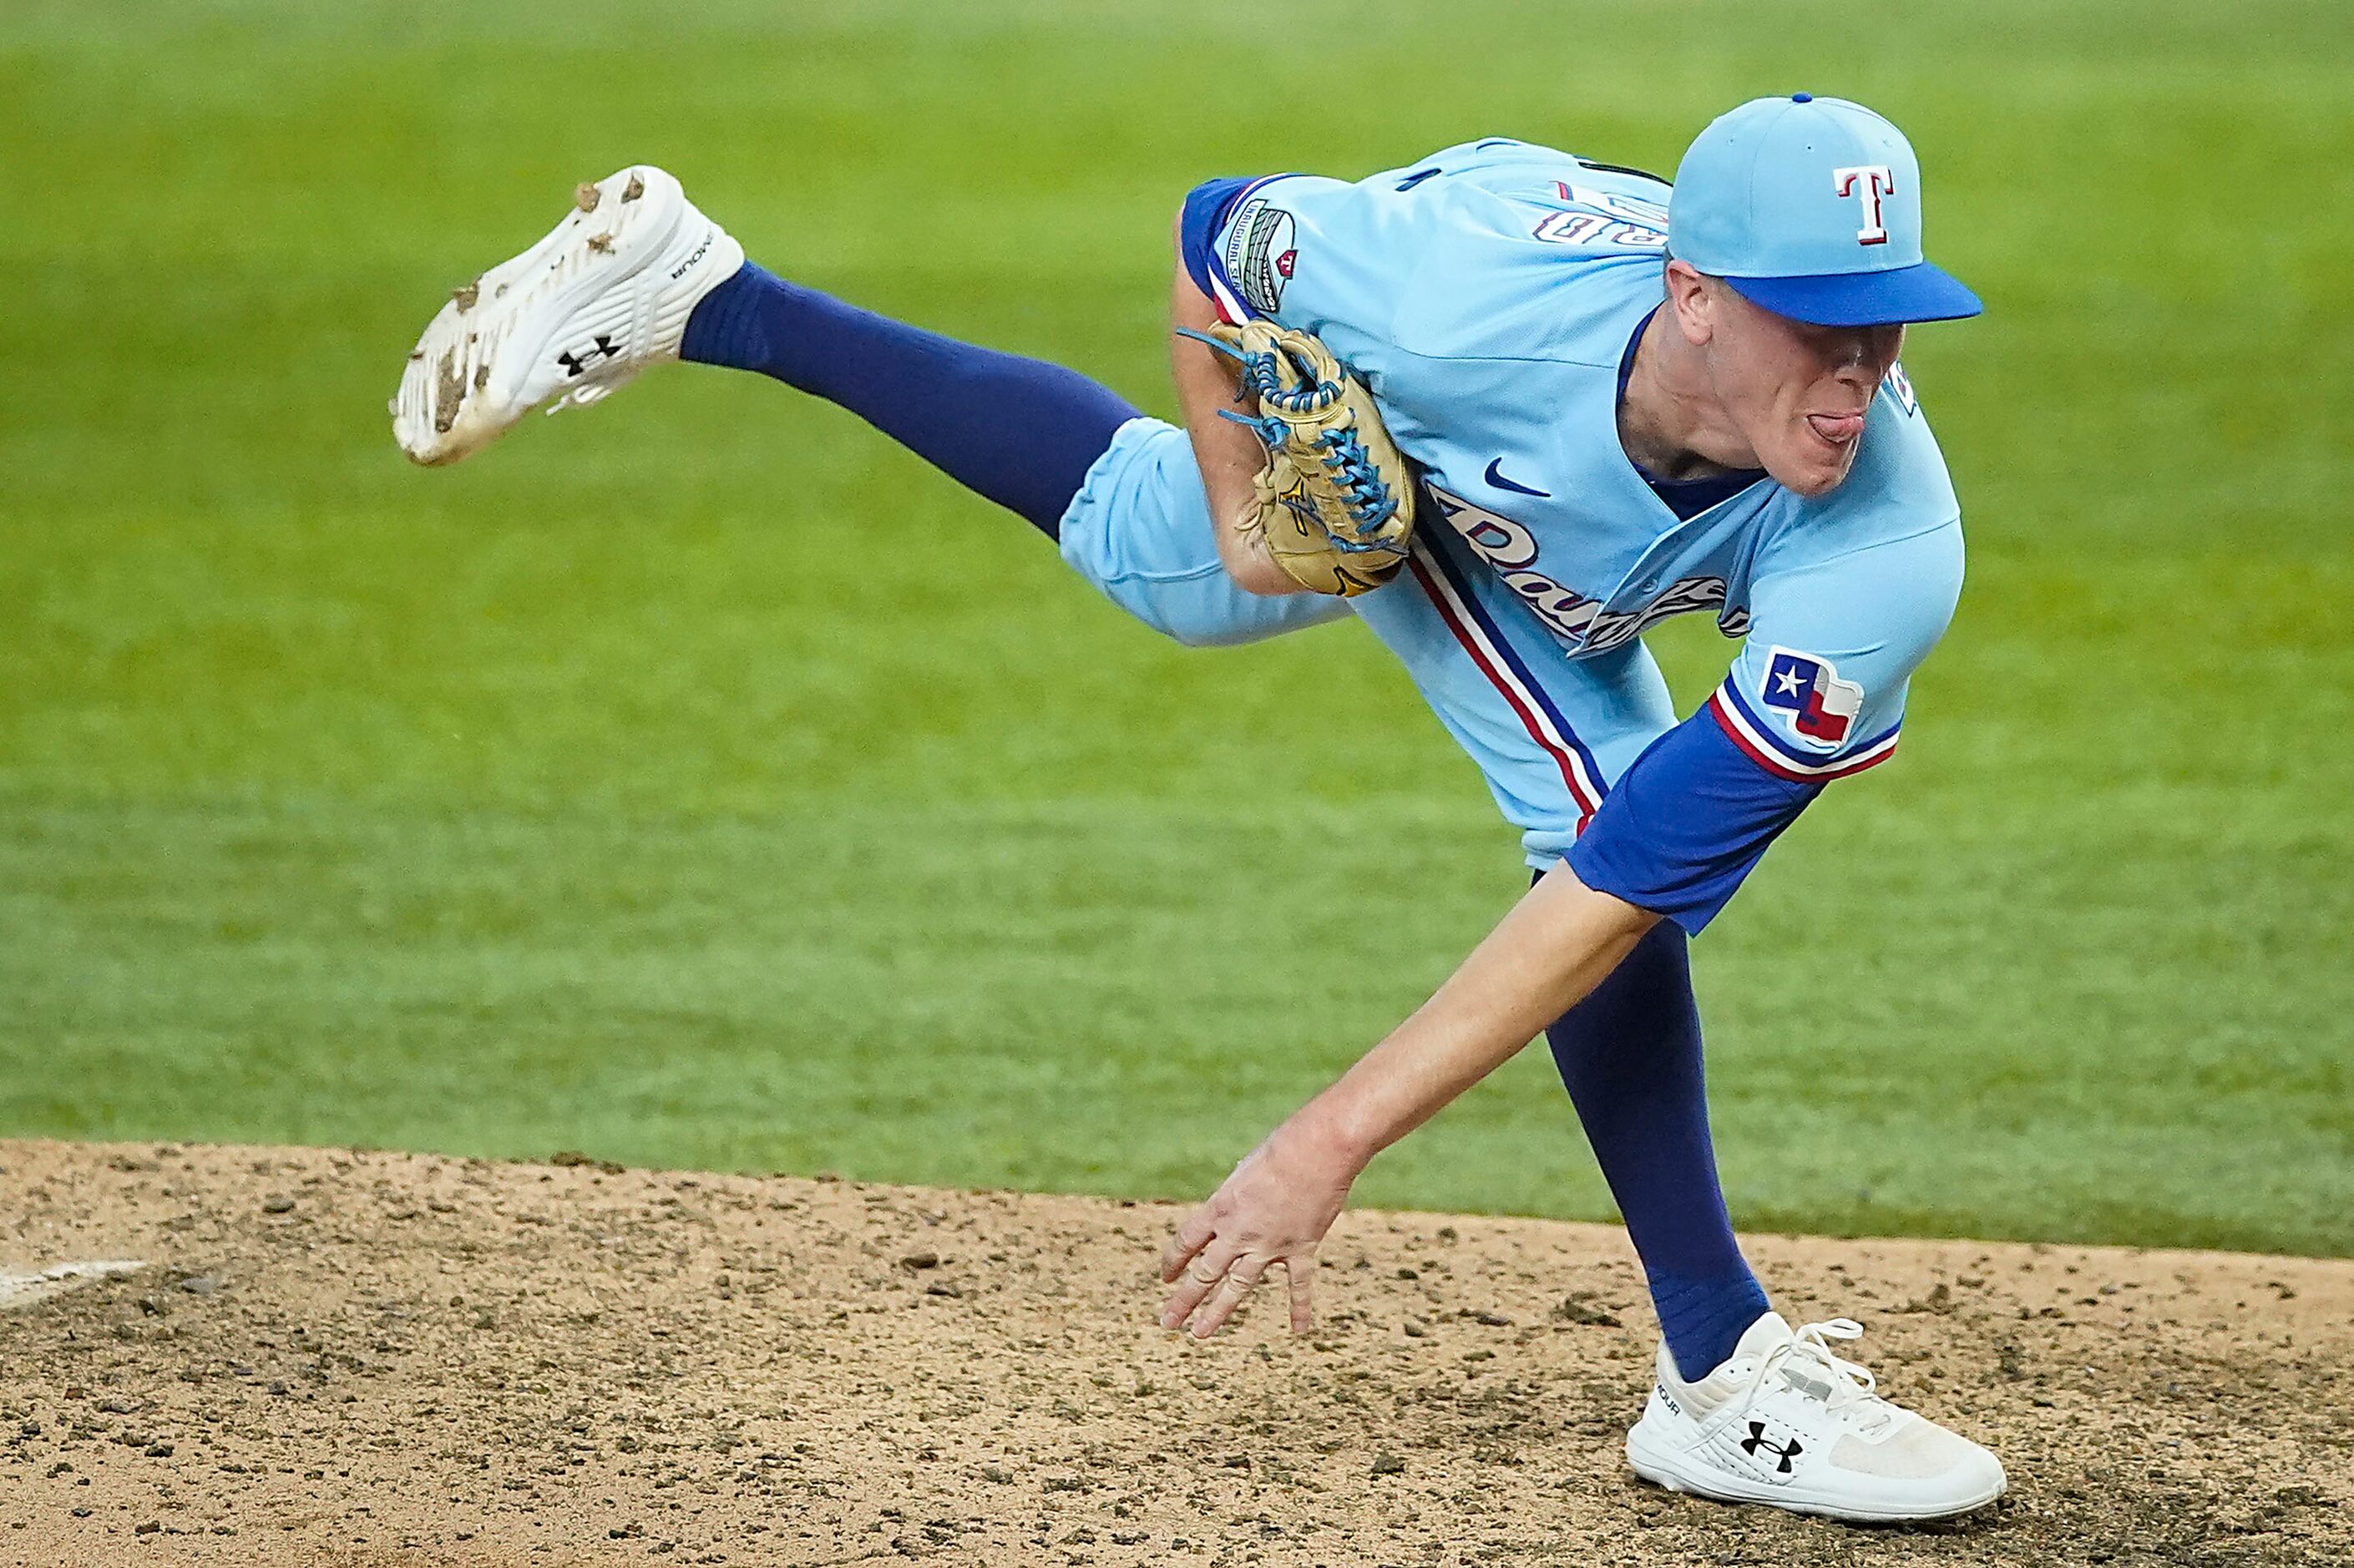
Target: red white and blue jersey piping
{"x": 1757, "y": 740}
{"x": 1505, "y": 672}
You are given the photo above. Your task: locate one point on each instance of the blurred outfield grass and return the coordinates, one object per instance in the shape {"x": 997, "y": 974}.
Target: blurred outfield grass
{"x": 698, "y": 780}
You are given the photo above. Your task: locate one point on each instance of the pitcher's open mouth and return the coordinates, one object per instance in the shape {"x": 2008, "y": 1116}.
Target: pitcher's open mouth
{"x": 1836, "y": 429}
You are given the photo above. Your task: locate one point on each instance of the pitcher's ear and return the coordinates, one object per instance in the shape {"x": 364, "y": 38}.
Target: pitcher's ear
{"x": 1692, "y": 295}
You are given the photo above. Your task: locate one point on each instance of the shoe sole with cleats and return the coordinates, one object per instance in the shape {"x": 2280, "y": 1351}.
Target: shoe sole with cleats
{"x": 604, "y": 294}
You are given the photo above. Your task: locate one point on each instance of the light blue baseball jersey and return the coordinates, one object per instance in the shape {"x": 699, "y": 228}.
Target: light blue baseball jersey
{"x": 1489, "y": 296}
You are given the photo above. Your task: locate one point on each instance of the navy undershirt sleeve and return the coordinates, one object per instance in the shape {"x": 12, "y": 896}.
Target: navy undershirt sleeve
{"x": 1685, "y": 824}
{"x": 1206, "y": 206}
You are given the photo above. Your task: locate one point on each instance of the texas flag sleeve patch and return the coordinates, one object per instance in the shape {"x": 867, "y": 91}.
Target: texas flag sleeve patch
{"x": 1820, "y": 706}
{"x": 1801, "y": 721}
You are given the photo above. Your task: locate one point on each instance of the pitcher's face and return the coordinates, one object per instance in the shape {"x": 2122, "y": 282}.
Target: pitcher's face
{"x": 1797, "y": 393}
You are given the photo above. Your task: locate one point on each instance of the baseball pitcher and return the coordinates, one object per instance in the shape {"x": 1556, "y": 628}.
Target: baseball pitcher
{"x": 1509, "y": 408}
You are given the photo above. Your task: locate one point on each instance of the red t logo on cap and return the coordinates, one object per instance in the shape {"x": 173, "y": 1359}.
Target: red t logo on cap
{"x": 1876, "y": 181}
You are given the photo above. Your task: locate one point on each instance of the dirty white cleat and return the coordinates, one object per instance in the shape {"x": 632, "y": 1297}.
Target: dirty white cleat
{"x": 606, "y": 294}
{"x": 1787, "y": 1423}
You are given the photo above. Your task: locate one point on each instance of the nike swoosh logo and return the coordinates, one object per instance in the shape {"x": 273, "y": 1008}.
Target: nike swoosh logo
{"x": 1501, "y": 483}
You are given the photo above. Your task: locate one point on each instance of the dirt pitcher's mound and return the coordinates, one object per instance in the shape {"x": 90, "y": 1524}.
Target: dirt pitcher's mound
{"x": 369, "y": 1359}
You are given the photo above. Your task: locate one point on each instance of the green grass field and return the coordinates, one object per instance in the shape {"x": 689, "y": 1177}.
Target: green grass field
{"x": 698, "y": 779}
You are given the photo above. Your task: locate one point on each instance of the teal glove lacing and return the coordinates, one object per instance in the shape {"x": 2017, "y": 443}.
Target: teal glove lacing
{"x": 1369, "y": 500}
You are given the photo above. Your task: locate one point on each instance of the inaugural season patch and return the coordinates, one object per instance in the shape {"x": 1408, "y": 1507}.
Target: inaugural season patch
{"x": 1260, "y": 254}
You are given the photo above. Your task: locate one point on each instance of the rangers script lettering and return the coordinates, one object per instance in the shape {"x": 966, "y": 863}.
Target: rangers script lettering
{"x": 1576, "y": 620}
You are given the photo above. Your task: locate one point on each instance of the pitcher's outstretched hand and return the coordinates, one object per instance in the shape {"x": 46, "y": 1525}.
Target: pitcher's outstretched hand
{"x": 1275, "y": 1208}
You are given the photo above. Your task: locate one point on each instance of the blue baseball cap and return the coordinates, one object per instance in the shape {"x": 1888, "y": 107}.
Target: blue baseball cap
{"x": 1811, "y": 208}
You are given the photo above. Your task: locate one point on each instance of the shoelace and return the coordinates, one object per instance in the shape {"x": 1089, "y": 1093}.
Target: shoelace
{"x": 1849, "y": 1384}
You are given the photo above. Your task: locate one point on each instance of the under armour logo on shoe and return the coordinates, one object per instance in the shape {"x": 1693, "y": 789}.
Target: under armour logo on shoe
{"x": 1758, "y": 1439}
{"x": 574, "y": 364}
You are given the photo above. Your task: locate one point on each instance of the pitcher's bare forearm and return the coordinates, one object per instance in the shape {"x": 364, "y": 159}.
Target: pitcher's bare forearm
{"x": 1228, "y": 455}
{"x": 1557, "y": 943}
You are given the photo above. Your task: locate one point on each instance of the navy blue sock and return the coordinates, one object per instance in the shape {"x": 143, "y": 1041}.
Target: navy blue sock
{"x": 1630, "y": 1057}
{"x": 1021, "y": 432}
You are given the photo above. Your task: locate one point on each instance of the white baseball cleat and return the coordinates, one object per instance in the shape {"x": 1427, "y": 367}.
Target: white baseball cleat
{"x": 1787, "y": 1423}
{"x": 606, "y": 294}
